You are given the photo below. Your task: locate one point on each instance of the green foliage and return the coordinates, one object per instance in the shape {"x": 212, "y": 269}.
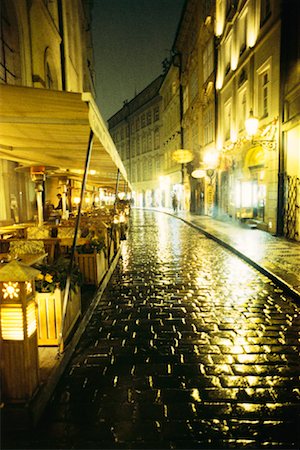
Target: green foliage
{"x": 55, "y": 275}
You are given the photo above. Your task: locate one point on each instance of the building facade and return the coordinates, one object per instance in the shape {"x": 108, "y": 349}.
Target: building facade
{"x": 44, "y": 44}
{"x": 289, "y": 154}
{"x": 195, "y": 52}
{"x": 136, "y": 132}
{"x": 248, "y": 83}
{"x": 172, "y": 176}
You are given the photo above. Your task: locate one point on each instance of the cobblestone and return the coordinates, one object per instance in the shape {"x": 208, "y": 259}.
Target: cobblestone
{"x": 189, "y": 347}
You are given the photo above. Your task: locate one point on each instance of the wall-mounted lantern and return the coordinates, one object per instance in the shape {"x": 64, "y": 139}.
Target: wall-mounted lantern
{"x": 251, "y": 125}
{"x": 18, "y": 332}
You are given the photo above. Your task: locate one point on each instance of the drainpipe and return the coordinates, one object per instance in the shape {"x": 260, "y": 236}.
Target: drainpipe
{"x": 62, "y": 45}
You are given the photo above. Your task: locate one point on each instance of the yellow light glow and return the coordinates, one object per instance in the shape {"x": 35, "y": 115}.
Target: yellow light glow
{"x": 31, "y": 318}
{"x": 10, "y": 290}
{"x": 28, "y": 287}
{"x": 210, "y": 159}
{"x": 92, "y": 172}
{"x": 251, "y": 124}
{"x": 12, "y": 327}
{"x": 76, "y": 200}
{"x": 182, "y": 156}
{"x": 164, "y": 183}
{"x": 198, "y": 173}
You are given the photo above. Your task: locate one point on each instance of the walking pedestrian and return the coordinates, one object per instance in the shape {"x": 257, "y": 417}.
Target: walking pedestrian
{"x": 174, "y": 202}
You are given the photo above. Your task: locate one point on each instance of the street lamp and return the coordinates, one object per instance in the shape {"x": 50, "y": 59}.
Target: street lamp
{"x": 251, "y": 125}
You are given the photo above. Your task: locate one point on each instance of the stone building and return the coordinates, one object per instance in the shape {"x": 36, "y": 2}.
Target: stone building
{"x": 46, "y": 64}
{"x": 136, "y": 131}
{"x": 172, "y": 175}
{"x": 248, "y": 84}
{"x": 195, "y": 51}
{"x": 289, "y": 122}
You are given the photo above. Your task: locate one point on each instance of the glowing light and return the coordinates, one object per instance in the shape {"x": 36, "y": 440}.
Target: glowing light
{"x": 211, "y": 159}
{"x": 122, "y": 217}
{"x": 251, "y": 124}
{"x": 10, "y": 290}
{"x": 28, "y": 287}
{"x": 31, "y": 319}
{"x": 195, "y": 395}
{"x": 92, "y": 172}
{"x": 76, "y": 200}
{"x": 12, "y": 323}
{"x": 198, "y": 173}
{"x": 182, "y": 156}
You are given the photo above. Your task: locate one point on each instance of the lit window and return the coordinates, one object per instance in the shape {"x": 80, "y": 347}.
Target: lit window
{"x": 227, "y": 120}
{"x": 208, "y": 60}
{"x": 264, "y": 92}
{"x": 242, "y": 109}
{"x": 185, "y": 98}
{"x": 208, "y": 128}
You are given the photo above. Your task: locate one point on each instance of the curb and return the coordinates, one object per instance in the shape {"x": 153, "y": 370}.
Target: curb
{"x": 275, "y": 278}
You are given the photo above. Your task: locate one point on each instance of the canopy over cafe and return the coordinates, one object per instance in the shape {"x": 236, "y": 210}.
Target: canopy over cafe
{"x": 58, "y": 143}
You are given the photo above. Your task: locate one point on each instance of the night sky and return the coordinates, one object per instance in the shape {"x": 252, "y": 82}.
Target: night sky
{"x": 131, "y": 39}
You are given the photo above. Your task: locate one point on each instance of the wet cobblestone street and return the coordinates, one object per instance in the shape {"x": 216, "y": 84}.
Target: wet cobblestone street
{"x": 189, "y": 347}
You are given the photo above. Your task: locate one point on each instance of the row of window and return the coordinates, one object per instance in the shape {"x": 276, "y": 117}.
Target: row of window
{"x": 140, "y": 145}
{"x": 262, "y": 102}
{"x": 145, "y": 170}
{"x": 240, "y": 37}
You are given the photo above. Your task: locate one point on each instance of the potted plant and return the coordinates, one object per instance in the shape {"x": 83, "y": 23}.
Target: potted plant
{"x": 91, "y": 258}
{"x": 50, "y": 285}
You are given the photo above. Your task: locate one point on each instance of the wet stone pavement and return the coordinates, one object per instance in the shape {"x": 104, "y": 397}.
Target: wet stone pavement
{"x": 189, "y": 347}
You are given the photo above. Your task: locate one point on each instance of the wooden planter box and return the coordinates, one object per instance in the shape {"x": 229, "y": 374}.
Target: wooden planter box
{"x": 50, "y": 305}
{"x": 93, "y": 266}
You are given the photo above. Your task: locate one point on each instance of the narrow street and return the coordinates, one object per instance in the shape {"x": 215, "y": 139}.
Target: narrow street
{"x": 189, "y": 347}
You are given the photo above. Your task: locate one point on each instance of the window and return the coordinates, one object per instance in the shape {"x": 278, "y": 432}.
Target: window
{"x": 194, "y": 85}
{"x": 49, "y": 80}
{"x": 156, "y": 113}
{"x": 242, "y": 33}
{"x": 149, "y": 118}
{"x": 9, "y": 46}
{"x": 144, "y": 144}
{"x": 264, "y": 93}
{"x": 242, "y": 109}
{"x": 137, "y": 123}
{"x": 149, "y": 141}
{"x": 150, "y": 168}
{"x": 208, "y": 60}
{"x": 185, "y": 98}
{"x": 138, "y": 148}
{"x": 156, "y": 139}
{"x": 227, "y": 55}
{"x": 143, "y": 121}
{"x": 265, "y": 11}
{"x": 227, "y": 120}
{"x": 208, "y": 126}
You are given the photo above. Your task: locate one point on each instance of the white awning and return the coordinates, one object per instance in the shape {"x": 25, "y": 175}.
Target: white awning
{"x": 41, "y": 127}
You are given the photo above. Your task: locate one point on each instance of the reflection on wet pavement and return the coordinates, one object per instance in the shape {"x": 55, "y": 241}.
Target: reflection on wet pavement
{"x": 189, "y": 347}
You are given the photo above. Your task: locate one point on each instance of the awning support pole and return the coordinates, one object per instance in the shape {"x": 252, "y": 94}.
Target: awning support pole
{"x": 68, "y": 282}
{"x": 117, "y": 190}
{"x": 110, "y": 236}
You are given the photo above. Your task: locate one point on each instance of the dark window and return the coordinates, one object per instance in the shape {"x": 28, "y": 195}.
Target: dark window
{"x": 265, "y": 11}
{"x": 8, "y": 48}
